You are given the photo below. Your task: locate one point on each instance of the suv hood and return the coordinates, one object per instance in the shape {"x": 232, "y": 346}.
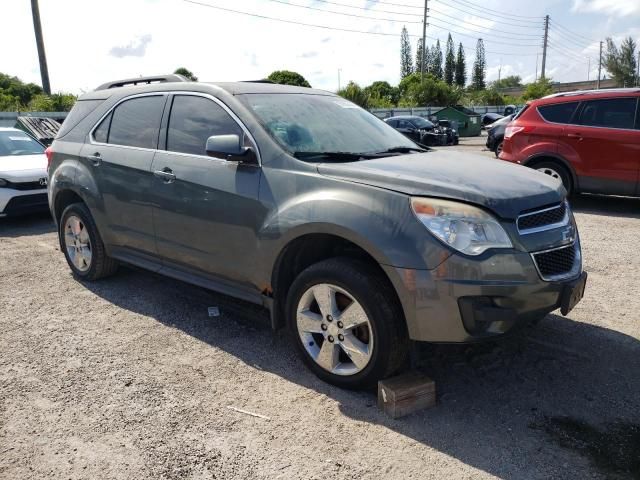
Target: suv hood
{"x": 505, "y": 188}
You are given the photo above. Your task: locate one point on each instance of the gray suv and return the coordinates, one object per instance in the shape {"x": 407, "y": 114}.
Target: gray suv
{"x": 354, "y": 238}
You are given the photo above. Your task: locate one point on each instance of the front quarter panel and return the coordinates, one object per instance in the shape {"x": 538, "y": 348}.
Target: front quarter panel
{"x": 377, "y": 220}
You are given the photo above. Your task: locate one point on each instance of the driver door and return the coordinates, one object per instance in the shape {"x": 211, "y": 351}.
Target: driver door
{"x": 206, "y": 210}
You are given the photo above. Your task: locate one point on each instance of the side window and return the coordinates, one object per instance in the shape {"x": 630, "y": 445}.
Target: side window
{"x": 559, "y": 112}
{"x": 404, "y": 124}
{"x": 193, "y": 120}
{"x": 612, "y": 113}
{"x": 101, "y": 134}
{"x": 136, "y": 122}
{"x": 393, "y": 123}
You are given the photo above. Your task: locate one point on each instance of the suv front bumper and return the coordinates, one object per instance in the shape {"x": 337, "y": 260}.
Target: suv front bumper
{"x": 465, "y": 299}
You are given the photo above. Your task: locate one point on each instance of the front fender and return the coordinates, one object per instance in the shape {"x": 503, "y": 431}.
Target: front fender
{"x": 378, "y": 221}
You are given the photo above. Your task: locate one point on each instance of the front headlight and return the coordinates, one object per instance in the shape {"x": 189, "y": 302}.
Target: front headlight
{"x": 468, "y": 229}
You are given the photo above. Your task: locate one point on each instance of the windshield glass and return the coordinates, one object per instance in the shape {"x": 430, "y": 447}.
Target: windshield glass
{"x": 319, "y": 123}
{"x": 422, "y": 123}
{"x": 15, "y": 142}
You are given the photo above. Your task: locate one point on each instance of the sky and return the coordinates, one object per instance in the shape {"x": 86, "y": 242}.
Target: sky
{"x": 89, "y": 42}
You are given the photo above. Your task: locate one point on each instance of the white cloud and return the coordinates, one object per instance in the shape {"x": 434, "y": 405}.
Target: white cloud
{"x": 613, "y": 7}
{"x": 135, "y": 48}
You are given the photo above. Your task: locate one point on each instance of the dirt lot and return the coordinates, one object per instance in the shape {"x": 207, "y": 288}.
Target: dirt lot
{"x": 129, "y": 378}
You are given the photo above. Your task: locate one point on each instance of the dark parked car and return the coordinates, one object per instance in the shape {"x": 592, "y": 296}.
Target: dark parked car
{"x": 495, "y": 134}
{"x": 489, "y": 118}
{"x": 589, "y": 140}
{"x": 418, "y": 129}
{"x": 449, "y": 128}
{"x": 356, "y": 240}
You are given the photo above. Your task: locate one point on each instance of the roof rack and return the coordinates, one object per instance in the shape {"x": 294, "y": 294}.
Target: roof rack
{"x": 584, "y": 92}
{"x": 258, "y": 81}
{"x": 128, "y": 82}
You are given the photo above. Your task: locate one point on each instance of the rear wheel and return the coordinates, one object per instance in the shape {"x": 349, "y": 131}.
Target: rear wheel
{"x": 82, "y": 245}
{"x": 346, "y": 325}
{"x": 498, "y": 149}
{"x": 557, "y": 171}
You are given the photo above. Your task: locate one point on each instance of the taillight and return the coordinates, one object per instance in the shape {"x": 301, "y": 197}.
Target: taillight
{"x": 49, "y": 153}
{"x": 511, "y": 130}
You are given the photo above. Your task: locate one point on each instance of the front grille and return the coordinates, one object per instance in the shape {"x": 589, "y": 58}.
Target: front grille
{"x": 25, "y": 185}
{"x": 542, "y": 218}
{"x": 556, "y": 263}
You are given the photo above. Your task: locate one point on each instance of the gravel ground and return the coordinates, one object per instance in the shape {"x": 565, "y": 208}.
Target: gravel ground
{"x": 129, "y": 378}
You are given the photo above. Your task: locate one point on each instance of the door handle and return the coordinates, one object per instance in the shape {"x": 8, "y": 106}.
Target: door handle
{"x": 166, "y": 175}
{"x": 575, "y": 135}
{"x": 95, "y": 159}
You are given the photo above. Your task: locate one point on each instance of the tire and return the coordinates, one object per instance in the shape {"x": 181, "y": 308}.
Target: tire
{"x": 354, "y": 284}
{"x": 555, "y": 170}
{"x": 498, "y": 149}
{"x": 82, "y": 246}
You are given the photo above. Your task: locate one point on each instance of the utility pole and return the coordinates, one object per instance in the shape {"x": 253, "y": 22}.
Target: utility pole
{"x": 424, "y": 38}
{"x": 638, "y": 71}
{"x": 44, "y": 72}
{"x": 544, "y": 45}
{"x": 589, "y": 69}
{"x": 599, "y": 67}
{"x": 339, "y": 70}
{"x": 499, "y": 71}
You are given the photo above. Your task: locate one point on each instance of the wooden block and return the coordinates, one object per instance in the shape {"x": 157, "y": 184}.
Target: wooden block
{"x": 405, "y": 394}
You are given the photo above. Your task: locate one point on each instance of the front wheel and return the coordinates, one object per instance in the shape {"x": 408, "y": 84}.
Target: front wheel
{"x": 346, "y": 323}
{"x": 498, "y": 149}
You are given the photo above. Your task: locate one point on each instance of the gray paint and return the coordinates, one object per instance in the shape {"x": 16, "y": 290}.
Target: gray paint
{"x": 223, "y": 225}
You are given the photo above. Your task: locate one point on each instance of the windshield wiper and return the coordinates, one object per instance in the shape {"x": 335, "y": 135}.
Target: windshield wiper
{"x": 340, "y": 156}
{"x": 401, "y": 150}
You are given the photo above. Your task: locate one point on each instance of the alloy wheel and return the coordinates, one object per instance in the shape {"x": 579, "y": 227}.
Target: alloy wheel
{"x": 551, "y": 172}
{"x": 334, "y": 329}
{"x": 77, "y": 243}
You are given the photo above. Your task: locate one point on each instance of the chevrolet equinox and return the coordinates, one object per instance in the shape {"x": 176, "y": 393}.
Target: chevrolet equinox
{"x": 352, "y": 236}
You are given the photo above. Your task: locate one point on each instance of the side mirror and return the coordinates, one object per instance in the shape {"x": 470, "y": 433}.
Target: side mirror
{"x": 230, "y": 146}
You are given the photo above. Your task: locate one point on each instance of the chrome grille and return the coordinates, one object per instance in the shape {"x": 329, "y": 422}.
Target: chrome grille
{"x": 544, "y": 219}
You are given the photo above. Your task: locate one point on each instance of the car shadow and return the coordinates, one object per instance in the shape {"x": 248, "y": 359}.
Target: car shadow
{"x": 504, "y": 406}
{"x": 27, "y": 225}
{"x": 609, "y": 206}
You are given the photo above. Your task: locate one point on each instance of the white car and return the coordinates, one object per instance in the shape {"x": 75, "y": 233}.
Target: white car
{"x": 23, "y": 174}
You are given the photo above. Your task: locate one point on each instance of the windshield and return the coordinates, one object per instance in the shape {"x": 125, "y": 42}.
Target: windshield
{"x": 421, "y": 122}
{"x": 322, "y": 123}
{"x": 15, "y": 142}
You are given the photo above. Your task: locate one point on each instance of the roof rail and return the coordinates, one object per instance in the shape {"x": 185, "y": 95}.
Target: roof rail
{"x": 584, "y": 92}
{"x": 264, "y": 80}
{"x": 128, "y": 82}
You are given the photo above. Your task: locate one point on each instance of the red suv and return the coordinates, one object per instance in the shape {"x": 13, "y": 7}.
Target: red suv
{"x": 589, "y": 140}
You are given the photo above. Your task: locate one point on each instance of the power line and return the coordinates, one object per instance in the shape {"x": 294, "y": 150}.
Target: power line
{"x": 568, "y": 39}
{"x": 497, "y": 13}
{"x": 325, "y": 27}
{"x": 482, "y": 26}
{"x": 488, "y": 41}
{"x": 415, "y": 22}
{"x": 511, "y": 22}
{"x": 590, "y": 40}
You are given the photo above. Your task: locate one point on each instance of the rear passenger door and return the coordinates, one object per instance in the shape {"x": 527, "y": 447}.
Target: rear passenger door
{"x": 118, "y": 156}
{"x": 608, "y": 145}
{"x": 206, "y": 218}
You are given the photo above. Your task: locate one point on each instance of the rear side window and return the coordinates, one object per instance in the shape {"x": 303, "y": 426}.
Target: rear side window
{"x": 193, "y": 120}
{"x": 136, "y": 122}
{"x": 611, "y": 113}
{"x": 80, "y": 110}
{"x": 101, "y": 134}
{"x": 559, "y": 112}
